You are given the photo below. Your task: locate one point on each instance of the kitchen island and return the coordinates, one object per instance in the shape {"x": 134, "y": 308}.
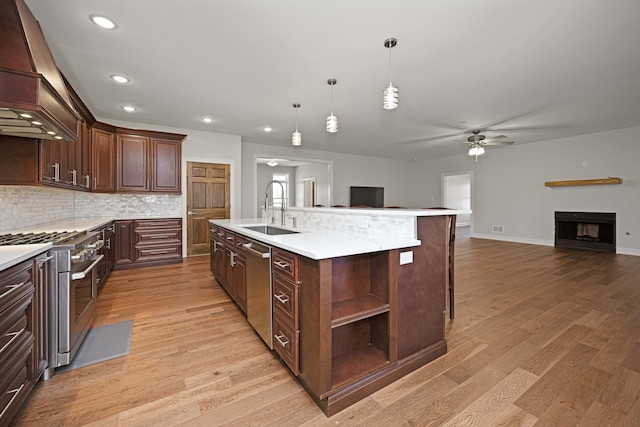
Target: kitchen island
{"x": 356, "y": 303}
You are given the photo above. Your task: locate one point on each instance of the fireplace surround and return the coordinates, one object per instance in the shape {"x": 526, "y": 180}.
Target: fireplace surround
{"x": 586, "y": 230}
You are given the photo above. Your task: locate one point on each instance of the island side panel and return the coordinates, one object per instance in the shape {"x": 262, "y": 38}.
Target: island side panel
{"x": 422, "y": 288}
{"x": 315, "y": 325}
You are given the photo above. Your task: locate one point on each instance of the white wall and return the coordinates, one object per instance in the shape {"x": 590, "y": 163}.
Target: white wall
{"x": 394, "y": 175}
{"x": 322, "y": 174}
{"x": 508, "y": 185}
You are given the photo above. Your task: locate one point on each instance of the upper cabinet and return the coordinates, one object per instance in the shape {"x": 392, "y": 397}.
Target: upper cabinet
{"x": 103, "y": 159}
{"x": 148, "y": 162}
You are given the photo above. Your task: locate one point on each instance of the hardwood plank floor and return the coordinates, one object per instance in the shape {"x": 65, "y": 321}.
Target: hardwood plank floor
{"x": 542, "y": 336}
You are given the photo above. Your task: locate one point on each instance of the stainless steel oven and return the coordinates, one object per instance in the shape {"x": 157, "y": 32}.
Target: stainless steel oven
{"x": 73, "y": 297}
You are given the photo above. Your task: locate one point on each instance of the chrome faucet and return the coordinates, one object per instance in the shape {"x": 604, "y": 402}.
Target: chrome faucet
{"x": 266, "y": 200}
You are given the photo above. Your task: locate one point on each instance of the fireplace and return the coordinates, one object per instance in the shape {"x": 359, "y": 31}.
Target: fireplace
{"x": 586, "y": 230}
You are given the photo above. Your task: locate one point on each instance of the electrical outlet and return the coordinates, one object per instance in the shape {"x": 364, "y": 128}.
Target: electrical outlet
{"x": 498, "y": 228}
{"x": 406, "y": 257}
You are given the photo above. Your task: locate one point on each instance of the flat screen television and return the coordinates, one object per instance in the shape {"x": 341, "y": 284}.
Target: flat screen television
{"x": 367, "y": 196}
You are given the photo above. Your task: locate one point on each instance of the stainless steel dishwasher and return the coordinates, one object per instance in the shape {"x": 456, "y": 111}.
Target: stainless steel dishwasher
{"x": 259, "y": 304}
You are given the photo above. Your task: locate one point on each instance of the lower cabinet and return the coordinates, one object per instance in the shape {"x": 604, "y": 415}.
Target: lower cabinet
{"x": 147, "y": 242}
{"x": 286, "y": 327}
{"x": 229, "y": 264}
{"x": 105, "y": 267}
{"x": 23, "y": 332}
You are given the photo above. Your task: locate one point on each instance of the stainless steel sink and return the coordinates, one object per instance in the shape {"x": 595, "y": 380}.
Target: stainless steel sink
{"x": 268, "y": 229}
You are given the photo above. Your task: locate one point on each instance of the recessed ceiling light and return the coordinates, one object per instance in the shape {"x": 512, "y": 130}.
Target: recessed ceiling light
{"x": 50, "y": 132}
{"x": 267, "y": 128}
{"x": 57, "y": 137}
{"x": 103, "y": 22}
{"x": 129, "y": 108}
{"x": 36, "y": 123}
{"x": 207, "y": 119}
{"x": 26, "y": 116}
{"x": 120, "y": 79}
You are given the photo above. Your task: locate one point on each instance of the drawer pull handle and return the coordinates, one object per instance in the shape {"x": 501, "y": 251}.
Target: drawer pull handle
{"x": 15, "y": 392}
{"x": 14, "y": 336}
{"x": 159, "y": 236}
{"x": 12, "y": 288}
{"x": 282, "y": 298}
{"x": 229, "y": 238}
{"x": 283, "y": 265}
{"x": 158, "y": 252}
{"x": 279, "y": 339}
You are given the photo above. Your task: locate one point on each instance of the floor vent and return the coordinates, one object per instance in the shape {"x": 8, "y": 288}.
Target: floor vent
{"x": 498, "y": 228}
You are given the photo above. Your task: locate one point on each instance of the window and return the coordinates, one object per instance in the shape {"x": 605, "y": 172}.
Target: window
{"x": 276, "y": 191}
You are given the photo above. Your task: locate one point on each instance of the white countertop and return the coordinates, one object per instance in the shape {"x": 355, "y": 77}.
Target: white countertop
{"x": 399, "y": 211}
{"x": 12, "y": 255}
{"x": 318, "y": 244}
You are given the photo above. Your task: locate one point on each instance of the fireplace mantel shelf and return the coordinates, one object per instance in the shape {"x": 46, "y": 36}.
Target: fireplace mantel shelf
{"x": 598, "y": 181}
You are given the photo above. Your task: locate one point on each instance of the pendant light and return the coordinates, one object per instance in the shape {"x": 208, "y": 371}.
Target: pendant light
{"x": 332, "y": 120}
{"x": 296, "y": 138}
{"x": 390, "y": 94}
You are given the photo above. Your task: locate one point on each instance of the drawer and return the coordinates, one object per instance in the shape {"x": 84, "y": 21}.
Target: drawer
{"x": 285, "y": 300}
{"x": 15, "y": 283}
{"x": 285, "y": 263}
{"x": 151, "y": 237}
{"x": 158, "y": 252}
{"x": 239, "y": 241}
{"x": 15, "y": 385}
{"x": 14, "y": 326}
{"x": 158, "y": 223}
{"x": 285, "y": 343}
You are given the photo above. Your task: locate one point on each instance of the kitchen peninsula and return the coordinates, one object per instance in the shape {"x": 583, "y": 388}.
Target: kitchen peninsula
{"x": 358, "y": 296}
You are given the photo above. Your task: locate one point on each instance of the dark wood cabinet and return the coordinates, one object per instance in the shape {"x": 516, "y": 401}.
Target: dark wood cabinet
{"x": 146, "y": 162}
{"x": 124, "y": 243}
{"x": 82, "y": 158}
{"x": 229, "y": 263}
{"x": 166, "y": 158}
{"x": 103, "y": 158}
{"x": 286, "y": 326}
{"x": 147, "y": 242}
{"x": 23, "y": 332}
{"x": 132, "y": 163}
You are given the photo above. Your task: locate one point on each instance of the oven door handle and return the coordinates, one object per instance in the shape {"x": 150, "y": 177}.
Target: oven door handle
{"x": 82, "y": 274}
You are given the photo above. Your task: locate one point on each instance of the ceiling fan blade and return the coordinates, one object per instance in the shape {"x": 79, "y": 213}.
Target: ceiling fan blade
{"x": 431, "y": 138}
{"x": 490, "y": 142}
{"x": 527, "y": 128}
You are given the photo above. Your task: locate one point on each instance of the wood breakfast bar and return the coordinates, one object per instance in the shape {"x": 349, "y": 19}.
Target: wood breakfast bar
{"x": 358, "y": 296}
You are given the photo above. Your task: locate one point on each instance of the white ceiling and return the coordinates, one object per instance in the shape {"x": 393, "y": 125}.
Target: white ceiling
{"x": 531, "y": 70}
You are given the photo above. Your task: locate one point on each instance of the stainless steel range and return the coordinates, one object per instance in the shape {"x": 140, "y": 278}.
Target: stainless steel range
{"x": 72, "y": 291}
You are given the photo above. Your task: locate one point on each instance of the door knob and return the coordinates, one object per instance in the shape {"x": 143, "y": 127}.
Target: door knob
{"x": 191, "y": 213}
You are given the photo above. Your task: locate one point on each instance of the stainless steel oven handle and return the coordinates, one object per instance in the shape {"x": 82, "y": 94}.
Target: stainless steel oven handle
{"x": 81, "y": 275}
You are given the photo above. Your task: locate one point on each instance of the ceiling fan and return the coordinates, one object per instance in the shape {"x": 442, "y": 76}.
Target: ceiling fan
{"x": 477, "y": 142}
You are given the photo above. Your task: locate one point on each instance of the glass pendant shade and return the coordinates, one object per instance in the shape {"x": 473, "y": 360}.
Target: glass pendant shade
{"x": 332, "y": 124}
{"x": 296, "y": 137}
{"x": 390, "y": 94}
{"x": 332, "y": 120}
{"x": 390, "y": 98}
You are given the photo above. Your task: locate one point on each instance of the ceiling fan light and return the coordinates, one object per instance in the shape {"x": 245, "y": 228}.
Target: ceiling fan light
{"x": 476, "y": 150}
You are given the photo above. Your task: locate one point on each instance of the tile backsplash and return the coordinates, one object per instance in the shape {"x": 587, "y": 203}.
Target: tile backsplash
{"x": 360, "y": 224}
{"x": 24, "y": 206}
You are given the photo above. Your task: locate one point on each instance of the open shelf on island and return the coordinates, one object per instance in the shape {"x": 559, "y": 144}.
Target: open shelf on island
{"x": 354, "y": 365}
{"x": 355, "y": 309}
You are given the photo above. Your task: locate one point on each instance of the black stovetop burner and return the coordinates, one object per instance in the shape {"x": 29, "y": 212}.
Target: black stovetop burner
{"x": 55, "y": 237}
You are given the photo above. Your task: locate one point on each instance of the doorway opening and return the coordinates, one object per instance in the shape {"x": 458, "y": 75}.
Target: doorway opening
{"x": 456, "y": 194}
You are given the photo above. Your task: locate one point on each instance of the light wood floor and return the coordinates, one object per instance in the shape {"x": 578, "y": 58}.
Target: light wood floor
{"x": 542, "y": 336}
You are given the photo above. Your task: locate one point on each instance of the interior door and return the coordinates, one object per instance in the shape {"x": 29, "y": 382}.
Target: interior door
{"x": 208, "y": 189}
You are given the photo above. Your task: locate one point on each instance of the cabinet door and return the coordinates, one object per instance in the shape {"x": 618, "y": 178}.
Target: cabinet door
{"x": 240, "y": 282}
{"x": 165, "y": 170}
{"x": 103, "y": 160}
{"x": 124, "y": 242}
{"x": 132, "y": 163}
{"x": 50, "y": 150}
{"x": 82, "y": 157}
{"x": 109, "y": 244}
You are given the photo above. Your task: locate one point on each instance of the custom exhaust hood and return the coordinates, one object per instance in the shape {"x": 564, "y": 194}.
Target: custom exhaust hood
{"x": 34, "y": 102}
